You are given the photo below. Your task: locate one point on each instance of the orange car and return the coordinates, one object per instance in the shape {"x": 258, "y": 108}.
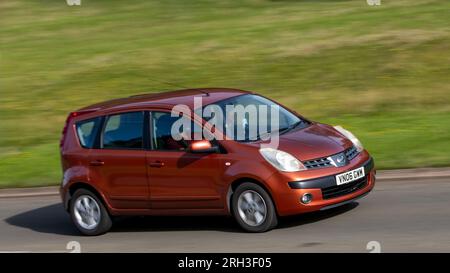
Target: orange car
{"x": 120, "y": 157}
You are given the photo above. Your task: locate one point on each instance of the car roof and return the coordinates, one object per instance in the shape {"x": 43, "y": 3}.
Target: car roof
{"x": 168, "y": 99}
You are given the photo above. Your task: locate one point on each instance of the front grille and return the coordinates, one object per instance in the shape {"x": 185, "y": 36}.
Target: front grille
{"x": 351, "y": 153}
{"x": 318, "y": 163}
{"x": 324, "y": 162}
{"x": 336, "y": 191}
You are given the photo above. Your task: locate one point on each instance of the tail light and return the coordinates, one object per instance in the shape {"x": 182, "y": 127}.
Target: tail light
{"x": 66, "y": 125}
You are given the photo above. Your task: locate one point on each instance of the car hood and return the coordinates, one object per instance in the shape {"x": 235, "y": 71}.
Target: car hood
{"x": 315, "y": 141}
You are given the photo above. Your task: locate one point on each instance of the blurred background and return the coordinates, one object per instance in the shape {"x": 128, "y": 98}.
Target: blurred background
{"x": 380, "y": 71}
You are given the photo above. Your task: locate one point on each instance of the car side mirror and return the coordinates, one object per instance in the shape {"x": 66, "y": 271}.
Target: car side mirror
{"x": 202, "y": 146}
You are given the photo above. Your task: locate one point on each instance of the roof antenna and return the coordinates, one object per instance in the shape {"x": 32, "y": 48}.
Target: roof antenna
{"x": 203, "y": 91}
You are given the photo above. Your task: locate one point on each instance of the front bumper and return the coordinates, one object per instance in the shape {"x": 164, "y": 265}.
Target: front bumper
{"x": 327, "y": 181}
{"x": 325, "y": 193}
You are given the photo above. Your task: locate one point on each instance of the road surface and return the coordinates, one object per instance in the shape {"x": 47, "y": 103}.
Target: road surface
{"x": 402, "y": 216}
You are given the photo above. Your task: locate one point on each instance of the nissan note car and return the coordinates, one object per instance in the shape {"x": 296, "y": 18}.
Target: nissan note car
{"x": 121, "y": 157}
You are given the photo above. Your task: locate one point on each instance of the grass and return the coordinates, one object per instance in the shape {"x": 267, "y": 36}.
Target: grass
{"x": 383, "y": 72}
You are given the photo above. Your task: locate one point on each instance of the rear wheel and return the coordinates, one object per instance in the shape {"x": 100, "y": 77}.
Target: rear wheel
{"x": 89, "y": 214}
{"x": 253, "y": 208}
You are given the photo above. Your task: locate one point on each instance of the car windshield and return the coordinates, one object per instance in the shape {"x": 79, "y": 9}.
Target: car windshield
{"x": 249, "y": 117}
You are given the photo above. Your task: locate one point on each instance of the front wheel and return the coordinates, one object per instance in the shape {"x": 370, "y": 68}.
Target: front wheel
{"x": 253, "y": 208}
{"x": 89, "y": 214}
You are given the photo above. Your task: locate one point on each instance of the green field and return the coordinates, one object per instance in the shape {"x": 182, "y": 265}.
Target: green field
{"x": 382, "y": 72}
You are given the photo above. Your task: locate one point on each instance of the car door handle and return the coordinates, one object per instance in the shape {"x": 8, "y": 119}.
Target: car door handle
{"x": 97, "y": 163}
{"x": 157, "y": 164}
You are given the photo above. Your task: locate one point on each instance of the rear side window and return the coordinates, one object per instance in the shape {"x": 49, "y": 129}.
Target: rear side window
{"x": 124, "y": 131}
{"x": 87, "y": 131}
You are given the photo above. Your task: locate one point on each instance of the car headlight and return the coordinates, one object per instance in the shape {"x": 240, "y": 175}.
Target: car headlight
{"x": 351, "y": 137}
{"x": 282, "y": 160}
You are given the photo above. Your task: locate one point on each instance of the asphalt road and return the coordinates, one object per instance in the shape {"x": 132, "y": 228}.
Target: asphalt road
{"x": 403, "y": 216}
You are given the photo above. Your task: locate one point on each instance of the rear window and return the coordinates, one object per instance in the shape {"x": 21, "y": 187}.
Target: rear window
{"x": 124, "y": 131}
{"x": 87, "y": 131}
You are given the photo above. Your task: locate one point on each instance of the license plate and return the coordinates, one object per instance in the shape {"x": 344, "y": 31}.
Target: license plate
{"x": 350, "y": 176}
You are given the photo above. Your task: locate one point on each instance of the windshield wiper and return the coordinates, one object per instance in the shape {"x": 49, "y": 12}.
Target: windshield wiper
{"x": 282, "y": 130}
{"x": 290, "y": 127}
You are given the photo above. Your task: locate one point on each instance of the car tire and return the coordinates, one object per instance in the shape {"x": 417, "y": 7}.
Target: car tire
{"x": 253, "y": 208}
{"x": 89, "y": 214}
